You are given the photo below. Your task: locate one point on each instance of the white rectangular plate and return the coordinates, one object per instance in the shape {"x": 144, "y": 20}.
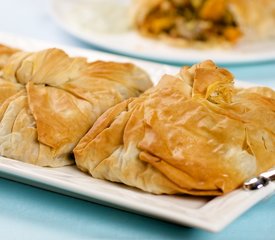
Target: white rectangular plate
{"x": 211, "y": 214}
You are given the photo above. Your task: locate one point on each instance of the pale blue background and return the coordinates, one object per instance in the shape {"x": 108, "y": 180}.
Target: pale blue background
{"x": 31, "y": 213}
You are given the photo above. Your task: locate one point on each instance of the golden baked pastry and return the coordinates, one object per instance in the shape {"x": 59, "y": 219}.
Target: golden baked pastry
{"x": 7, "y": 88}
{"x": 49, "y": 101}
{"x": 5, "y": 53}
{"x": 204, "y": 23}
{"x": 193, "y": 133}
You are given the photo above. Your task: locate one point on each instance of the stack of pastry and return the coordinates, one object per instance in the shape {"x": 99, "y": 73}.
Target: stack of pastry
{"x": 48, "y": 101}
{"x": 193, "y": 133}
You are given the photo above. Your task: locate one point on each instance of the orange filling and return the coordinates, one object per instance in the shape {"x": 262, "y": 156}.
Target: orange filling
{"x": 192, "y": 20}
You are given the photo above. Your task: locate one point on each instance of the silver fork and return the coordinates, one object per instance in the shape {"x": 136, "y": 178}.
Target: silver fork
{"x": 261, "y": 181}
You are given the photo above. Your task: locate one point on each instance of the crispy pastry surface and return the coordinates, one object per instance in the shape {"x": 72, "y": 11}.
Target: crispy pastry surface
{"x": 48, "y": 101}
{"x": 193, "y": 133}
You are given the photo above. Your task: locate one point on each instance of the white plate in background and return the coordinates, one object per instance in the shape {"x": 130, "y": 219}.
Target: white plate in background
{"x": 211, "y": 214}
{"x": 105, "y": 24}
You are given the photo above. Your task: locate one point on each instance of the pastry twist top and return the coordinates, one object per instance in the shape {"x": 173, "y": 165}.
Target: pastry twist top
{"x": 193, "y": 133}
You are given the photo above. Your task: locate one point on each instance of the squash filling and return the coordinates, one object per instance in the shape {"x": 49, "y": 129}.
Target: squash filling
{"x": 199, "y": 20}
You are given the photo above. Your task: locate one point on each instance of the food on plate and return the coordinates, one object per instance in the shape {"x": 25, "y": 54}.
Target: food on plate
{"x": 204, "y": 23}
{"x": 5, "y": 53}
{"x": 7, "y": 88}
{"x": 49, "y": 100}
{"x": 192, "y": 133}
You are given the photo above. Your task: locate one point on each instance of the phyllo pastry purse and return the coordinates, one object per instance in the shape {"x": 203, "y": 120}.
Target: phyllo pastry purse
{"x": 192, "y": 133}
{"x": 204, "y": 23}
{"x": 49, "y": 100}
